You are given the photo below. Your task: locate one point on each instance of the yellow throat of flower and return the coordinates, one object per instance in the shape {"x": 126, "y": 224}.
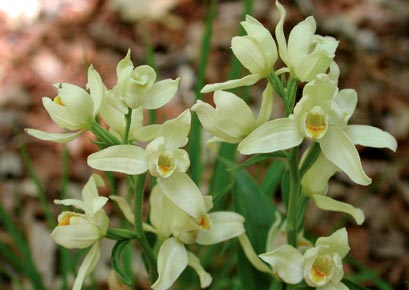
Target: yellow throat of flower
{"x": 58, "y": 101}
{"x": 165, "y": 164}
{"x": 316, "y": 124}
{"x": 65, "y": 219}
{"x": 321, "y": 269}
{"x": 205, "y": 222}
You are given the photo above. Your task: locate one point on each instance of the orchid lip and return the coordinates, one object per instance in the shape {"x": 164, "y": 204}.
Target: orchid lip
{"x": 316, "y": 123}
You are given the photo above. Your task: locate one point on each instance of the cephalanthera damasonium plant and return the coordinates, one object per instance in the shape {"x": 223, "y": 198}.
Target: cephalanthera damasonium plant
{"x": 180, "y": 215}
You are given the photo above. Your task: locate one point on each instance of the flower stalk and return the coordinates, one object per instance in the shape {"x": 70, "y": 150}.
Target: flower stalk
{"x": 128, "y": 119}
{"x": 150, "y": 260}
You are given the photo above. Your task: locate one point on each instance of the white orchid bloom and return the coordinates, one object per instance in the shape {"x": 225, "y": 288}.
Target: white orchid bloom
{"x": 315, "y": 180}
{"x": 306, "y": 54}
{"x": 322, "y": 264}
{"x": 256, "y": 51}
{"x": 82, "y": 230}
{"x": 177, "y": 225}
{"x": 137, "y": 87}
{"x": 73, "y": 109}
{"x": 162, "y": 156}
{"x": 225, "y": 123}
{"x": 320, "y": 116}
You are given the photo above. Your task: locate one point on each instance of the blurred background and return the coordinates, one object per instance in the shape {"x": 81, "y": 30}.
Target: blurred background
{"x": 43, "y": 42}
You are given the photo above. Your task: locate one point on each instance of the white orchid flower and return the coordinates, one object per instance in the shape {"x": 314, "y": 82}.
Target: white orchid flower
{"x": 137, "y": 87}
{"x": 162, "y": 156}
{"x": 322, "y": 264}
{"x": 82, "y": 230}
{"x": 315, "y": 180}
{"x": 73, "y": 109}
{"x": 256, "y": 51}
{"x": 306, "y": 54}
{"x": 321, "y": 116}
{"x": 177, "y": 225}
{"x": 225, "y": 123}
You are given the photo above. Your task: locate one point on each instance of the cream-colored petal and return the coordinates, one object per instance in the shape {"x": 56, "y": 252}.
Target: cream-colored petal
{"x": 321, "y": 90}
{"x": 124, "y": 207}
{"x": 54, "y": 137}
{"x": 327, "y": 203}
{"x": 172, "y": 260}
{"x": 146, "y": 133}
{"x": 96, "y": 88}
{"x": 346, "y": 101}
{"x": 340, "y": 150}
{"x": 311, "y": 65}
{"x": 279, "y": 134}
{"x": 266, "y": 107}
{"x": 263, "y": 36}
{"x": 299, "y": 40}
{"x": 76, "y": 100}
{"x": 286, "y": 261}
{"x": 250, "y": 54}
{"x": 223, "y": 120}
{"x": 224, "y": 226}
{"x": 251, "y": 254}
{"x": 315, "y": 180}
{"x": 63, "y": 116}
{"x": 87, "y": 266}
{"x": 184, "y": 193}
{"x": 76, "y": 236}
{"x": 205, "y": 277}
{"x": 335, "y": 243}
{"x": 231, "y": 84}
{"x": 279, "y": 32}
{"x": 175, "y": 131}
{"x": 90, "y": 190}
{"x": 124, "y": 67}
{"x": 128, "y": 159}
{"x": 334, "y": 286}
{"x": 160, "y": 94}
{"x": 371, "y": 137}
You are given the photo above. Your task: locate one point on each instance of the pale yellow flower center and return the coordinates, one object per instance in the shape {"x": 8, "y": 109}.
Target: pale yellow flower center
{"x": 315, "y": 123}
{"x": 321, "y": 269}
{"x": 58, "y": 101}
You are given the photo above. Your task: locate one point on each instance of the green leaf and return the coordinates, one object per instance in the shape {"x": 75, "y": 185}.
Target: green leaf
{"x": 352, "y": 286}
{"x": 259, "y": 213}
{"x": 272, "y": 178}
{"x": 115, "y": 259}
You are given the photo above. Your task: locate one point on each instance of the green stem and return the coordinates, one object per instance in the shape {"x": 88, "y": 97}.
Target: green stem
{"x": 293, "y": 202}
{"x": 139, "y": 185}
{"x": 128, "y": 118}
{"x": 281, "y": 91}
{"x": 103, "y": 135}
